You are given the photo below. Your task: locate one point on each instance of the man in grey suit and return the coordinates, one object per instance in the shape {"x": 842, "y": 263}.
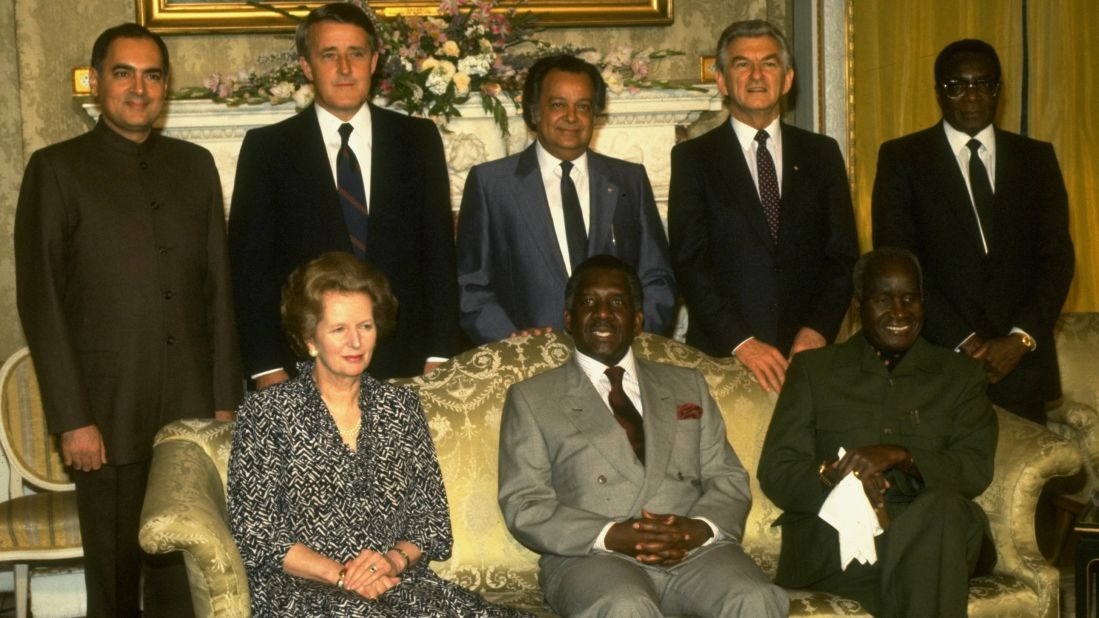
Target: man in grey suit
{"x": 527, "y": 220}
{"x": 617, "y": 471}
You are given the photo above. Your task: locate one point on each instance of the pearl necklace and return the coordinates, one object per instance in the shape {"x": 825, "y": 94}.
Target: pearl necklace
{"x": 352, "y": 433}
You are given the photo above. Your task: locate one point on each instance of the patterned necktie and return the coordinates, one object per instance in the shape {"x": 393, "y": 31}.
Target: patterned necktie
{"x": 983, "y": 197}
{"x": 625, "y": 413}
{"x": 349, "y": 185}
{"x": 768, "y": 184}
{"x": 575, "y": 234}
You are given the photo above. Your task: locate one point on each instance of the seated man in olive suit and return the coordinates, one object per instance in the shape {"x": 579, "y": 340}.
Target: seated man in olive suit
{"x": 617, "y": 471}
{"x": 920, "y": 436}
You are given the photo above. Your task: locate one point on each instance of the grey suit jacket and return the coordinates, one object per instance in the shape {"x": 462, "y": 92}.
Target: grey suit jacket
{"x": 511, "y": 275}
{"x": 566, "y": 467}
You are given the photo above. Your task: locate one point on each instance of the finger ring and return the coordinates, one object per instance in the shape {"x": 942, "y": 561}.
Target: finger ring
{"x": 373, "y": 568}
{"x": 856, "y": 473}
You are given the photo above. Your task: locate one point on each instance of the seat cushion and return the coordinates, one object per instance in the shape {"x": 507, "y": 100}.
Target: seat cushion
{"x": 40, "y": 522}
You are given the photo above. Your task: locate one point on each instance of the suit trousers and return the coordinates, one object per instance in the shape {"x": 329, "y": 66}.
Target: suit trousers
{"x": 925, "y": 560}
{"x": 720, "y": 581}
{"x": 109, "y": 503}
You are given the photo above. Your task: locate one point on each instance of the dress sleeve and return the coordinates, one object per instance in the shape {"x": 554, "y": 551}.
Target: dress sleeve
{"x": 427, "y": 524}
{"x": 257, "y": 469}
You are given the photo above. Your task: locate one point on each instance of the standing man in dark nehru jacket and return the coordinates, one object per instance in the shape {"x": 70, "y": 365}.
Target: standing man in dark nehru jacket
{"x": 986, "y": 212}
{"x": 528, "y": 219}
{"x": 760, "y": 220}
{"x": 123, "y": 289}
{"x": 344, "y": 175}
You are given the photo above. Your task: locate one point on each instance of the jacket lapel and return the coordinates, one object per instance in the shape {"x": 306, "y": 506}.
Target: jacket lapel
{"x": 731, "y": 166}
{"x": 604, "y": 199}
{"x": 310, "y": 161}
{"x": 595, "y": 421}
{"x": 660, "y": 427}
{"x": 530, "y": 199}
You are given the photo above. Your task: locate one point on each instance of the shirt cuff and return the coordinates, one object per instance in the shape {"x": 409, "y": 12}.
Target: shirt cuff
{"x": 717, "y": 534}
{"x": 600, "y": 543}
{"x": 263, "y": 373}
{"x": 1023, "y": 332}
{"x": 437, "y": 359}
{"x": 737, "y": 347}
{"x": 958, "y": 348}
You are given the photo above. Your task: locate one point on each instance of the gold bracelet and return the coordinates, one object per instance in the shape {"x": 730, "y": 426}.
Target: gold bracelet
{"x": 404, "y": 554}
{"x": 339, "y": 581}
{"x": 820, "y": 473}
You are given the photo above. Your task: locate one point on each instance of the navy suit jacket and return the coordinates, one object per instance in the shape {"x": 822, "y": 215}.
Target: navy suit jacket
{"x": 738, "y": 282}
{"x": 921, "y": 203}
{"x": 285, "y": 212}
{"x": 511, "y": 273}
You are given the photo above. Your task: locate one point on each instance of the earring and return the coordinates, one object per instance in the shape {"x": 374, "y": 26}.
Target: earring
{"x": 313, "y": 352}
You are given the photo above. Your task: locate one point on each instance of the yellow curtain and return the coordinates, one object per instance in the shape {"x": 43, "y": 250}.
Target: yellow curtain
{"x": 895, "y": 44}
{"x": 1064, "y": 109}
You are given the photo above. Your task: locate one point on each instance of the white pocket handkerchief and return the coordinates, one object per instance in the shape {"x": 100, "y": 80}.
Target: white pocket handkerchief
{"x": 848, "y": 510}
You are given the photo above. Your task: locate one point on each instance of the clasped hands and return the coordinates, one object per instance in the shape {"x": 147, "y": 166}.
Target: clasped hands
{"x": 1000, "y": 355}
{"x": 370, "y": 574}
{"x": 657, "y": 539}
{"x": 869, "y": 464}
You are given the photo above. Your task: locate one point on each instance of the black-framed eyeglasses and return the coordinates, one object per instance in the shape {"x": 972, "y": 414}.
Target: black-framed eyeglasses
{"x": 956, "y": 88}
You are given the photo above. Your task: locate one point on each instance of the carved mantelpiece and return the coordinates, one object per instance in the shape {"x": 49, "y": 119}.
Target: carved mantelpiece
{"x": 639, "y": 127}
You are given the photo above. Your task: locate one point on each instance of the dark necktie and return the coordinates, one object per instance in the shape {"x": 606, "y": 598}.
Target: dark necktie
{"x": 625, "y": 413}
{"x": 768, "y": 184}
{"x": 575, "y": 233}
{"x": 349, "y": 185}
{"x": 983, "y": 198}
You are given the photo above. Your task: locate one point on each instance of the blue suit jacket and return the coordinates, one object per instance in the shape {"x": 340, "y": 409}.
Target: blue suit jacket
{"x": 511, "y": 275}
{"x": 739, "y": 283}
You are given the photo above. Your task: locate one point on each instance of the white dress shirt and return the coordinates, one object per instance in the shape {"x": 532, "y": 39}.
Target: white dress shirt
{"x": 959, "y": 145}
{"x": 360, "y": 141}
{"x": 746, "y": 136}
{"x": 550, "y": 168}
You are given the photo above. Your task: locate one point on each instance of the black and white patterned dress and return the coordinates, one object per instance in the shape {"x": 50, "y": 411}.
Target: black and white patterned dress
{"x": 293, "y": 480}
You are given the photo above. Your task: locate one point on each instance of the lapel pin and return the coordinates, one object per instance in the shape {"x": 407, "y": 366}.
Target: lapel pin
{"x": 796, "y": 168}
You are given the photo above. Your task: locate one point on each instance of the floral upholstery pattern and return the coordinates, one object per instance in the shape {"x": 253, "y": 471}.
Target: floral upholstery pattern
{"x": 1077, "y": 415}
{"x": 464, "y": 399}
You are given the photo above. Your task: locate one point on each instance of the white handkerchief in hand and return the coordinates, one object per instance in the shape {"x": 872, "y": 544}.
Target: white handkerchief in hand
{"x": 848, "y": 510}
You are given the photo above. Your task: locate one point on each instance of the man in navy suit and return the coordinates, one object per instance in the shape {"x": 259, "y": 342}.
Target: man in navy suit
{"x": 990, "y": 229}
{"x": 759, "y": 216}
{"x": 290, "y": 204}
{"x": 528, "y": 219}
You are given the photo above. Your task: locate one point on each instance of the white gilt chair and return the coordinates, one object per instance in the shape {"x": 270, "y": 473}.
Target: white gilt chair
{"x": 33, "y": 526}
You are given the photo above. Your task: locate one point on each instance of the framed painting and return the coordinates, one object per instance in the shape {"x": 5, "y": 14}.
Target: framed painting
{"x": 210, "y": 16}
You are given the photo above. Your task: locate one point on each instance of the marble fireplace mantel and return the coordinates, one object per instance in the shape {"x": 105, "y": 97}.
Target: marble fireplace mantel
{"x": 639, "y": 127}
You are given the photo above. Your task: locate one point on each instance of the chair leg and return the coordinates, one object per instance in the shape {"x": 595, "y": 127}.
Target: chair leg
{"x": 22, "y": 585}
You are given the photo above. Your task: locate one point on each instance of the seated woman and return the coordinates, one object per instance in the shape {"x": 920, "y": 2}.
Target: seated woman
{"x": 335, "y": 496}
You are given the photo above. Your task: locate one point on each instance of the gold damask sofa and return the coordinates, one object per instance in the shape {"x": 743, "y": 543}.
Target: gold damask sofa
{"x": 185, "y": 506}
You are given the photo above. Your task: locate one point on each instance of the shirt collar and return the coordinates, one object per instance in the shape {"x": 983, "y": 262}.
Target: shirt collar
{"x": 959, "y": 139}
{"x": 746, "y": 134}
{"x": 550, "y": 166}
{"x": 330, "y": 124}
{"x": 595, "y": 369}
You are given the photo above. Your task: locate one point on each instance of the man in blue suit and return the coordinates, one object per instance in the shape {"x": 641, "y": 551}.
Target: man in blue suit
{"x": 760, "y": 220}
{"x": 528, "y": 219}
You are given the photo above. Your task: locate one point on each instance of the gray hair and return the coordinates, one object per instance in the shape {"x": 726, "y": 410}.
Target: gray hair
{"x": 751, "y": 28}
{"x": 882, "y": 253}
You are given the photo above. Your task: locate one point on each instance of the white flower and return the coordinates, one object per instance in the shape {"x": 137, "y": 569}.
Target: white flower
{"x": 476, "y": 65}
{"x": 304, "y": 96}
{"x": 440, "y": 77}
{"x": 449, "y": 49}
{"x": 282, "y": 90}
{"x": 406, "y": 65}
{"x": 461, "y": 84}
{"x": 591, "y": 56}
{"x": 614, "y": 81}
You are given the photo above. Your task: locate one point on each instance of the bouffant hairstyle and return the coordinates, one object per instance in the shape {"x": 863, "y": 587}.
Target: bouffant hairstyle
{"x": 303, "y": 295}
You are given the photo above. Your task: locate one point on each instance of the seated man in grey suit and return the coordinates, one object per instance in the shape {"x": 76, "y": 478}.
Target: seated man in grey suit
{"x": 617, "y": 471}
{"x": 527, "y": 220}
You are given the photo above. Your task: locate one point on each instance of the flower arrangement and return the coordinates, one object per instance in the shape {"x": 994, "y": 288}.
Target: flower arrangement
{"x": 430, "y": 65}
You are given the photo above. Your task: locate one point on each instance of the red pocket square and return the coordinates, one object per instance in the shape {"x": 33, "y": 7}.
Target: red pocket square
{"x": 688, "y": 410}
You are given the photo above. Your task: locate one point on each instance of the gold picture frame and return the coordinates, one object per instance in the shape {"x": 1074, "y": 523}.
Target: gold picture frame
{"x": 706, "y": 65}
{"x": 207, "y": 16}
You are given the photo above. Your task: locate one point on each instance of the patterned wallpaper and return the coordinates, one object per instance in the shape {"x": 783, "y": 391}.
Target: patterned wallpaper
{"x": 40, "y": 42}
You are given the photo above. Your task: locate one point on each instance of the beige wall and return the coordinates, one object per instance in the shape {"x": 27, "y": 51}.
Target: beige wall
{"x": 41, "y": 41}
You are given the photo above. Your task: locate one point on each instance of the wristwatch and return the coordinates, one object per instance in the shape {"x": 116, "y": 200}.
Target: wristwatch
{"x": 1028, "y": 341}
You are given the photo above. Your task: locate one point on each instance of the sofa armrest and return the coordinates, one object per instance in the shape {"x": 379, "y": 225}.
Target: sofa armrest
{"x": 1027, "y": 456}
{"x": 185, "y": 511}
{"x": 1078, "y": 422}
